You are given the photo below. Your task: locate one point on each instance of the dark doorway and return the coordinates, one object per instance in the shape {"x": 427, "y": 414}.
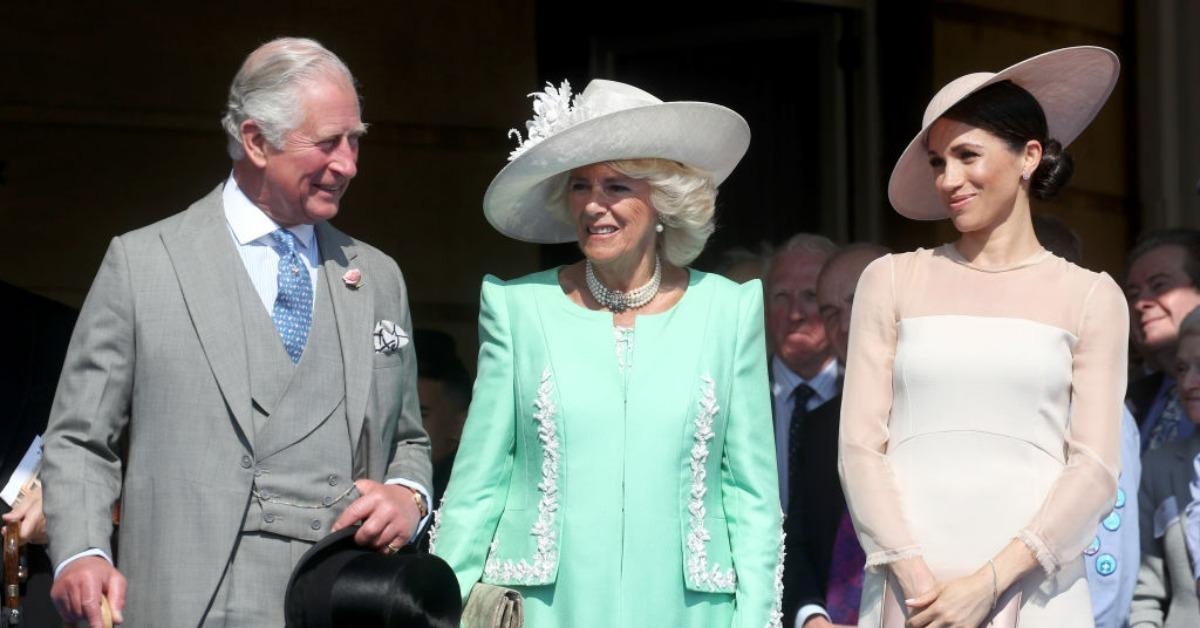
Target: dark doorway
{"x": 789, "y": 68}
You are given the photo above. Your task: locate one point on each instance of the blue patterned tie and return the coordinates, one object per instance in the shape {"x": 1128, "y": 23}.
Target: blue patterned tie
{"x": 293, "y": 304}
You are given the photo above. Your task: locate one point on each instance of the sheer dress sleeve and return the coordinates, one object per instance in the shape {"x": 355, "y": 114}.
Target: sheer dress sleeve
{"x": 872, "y": 491}
{"x": 1083, "y": 493}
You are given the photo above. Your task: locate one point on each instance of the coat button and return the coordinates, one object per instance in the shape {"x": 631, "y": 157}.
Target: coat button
{"x": 1093, "y": 547}
{"x": 333, "y": 480}
{"x": 328, "y": 501}
{"x": 1120, "y": 503}
{"x": 316, "y": 525}
{"x": 246, "y": 462}
{"x": 1112, "y": 522}
{"x": 1106, "y": 564}
{"x": 269, "y": 518}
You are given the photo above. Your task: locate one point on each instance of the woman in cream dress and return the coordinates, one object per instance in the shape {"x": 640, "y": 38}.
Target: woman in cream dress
{"x": 983, "y": 392}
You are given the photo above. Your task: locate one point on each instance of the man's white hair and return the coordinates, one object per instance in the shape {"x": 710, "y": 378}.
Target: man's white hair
{"x": 812, "y": 243}
{"x": 265, "y": 88}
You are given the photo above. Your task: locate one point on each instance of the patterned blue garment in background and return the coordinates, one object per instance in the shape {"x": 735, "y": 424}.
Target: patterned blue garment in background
{"x": 1114, "y": 555}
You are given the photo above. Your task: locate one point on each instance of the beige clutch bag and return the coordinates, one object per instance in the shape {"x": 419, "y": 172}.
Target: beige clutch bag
{"x": 490, "y": 606}
{"x": 895, "y": 613}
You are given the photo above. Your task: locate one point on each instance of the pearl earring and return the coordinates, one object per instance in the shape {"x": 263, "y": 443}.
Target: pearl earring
{"x": 658, "y": 228}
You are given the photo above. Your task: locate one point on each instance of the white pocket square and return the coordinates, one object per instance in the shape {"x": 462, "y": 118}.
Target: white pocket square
{"x": 388, "y": 337}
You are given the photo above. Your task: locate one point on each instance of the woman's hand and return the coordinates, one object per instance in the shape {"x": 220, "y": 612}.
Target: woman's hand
{"x": 28, "y": 512}
{"x": 914, "y": 576}
{"x": 963, "y": 601}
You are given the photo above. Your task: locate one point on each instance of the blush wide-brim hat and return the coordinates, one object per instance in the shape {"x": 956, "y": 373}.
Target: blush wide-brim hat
{"x": 608, "y": 121}
{"x": 1070, "y": 84}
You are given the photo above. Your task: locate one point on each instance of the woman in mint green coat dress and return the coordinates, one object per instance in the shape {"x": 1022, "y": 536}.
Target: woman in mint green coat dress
{"x": 617, "y": 467}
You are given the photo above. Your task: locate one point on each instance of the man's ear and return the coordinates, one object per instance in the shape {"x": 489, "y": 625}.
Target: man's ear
{"x": 254, "y": 143}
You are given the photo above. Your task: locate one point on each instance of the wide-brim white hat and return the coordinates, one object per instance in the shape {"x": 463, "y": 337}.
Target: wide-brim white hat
{"x": 1070, "y": 84}
{"x": 608, "y": 121}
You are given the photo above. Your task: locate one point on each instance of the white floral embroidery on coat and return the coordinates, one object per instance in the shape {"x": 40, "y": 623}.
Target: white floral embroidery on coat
{"x": 624, "y": 342}
{"x": 545, "y": 557}
{"x": 700, "y": 571}
{"x": 775, "y": 620}
{"x": 437, "y": 523}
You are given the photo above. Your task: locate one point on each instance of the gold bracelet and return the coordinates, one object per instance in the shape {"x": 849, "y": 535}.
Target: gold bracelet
{"x": 995, "y": 585}
{"x": 419, "y": 500}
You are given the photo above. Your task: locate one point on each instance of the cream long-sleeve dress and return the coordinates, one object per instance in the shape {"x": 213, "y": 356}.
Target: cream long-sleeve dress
{"x": 983, "y": 405}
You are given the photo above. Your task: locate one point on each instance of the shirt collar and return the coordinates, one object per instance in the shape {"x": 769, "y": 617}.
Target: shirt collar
{"x": 249, "y": 224}
{"x": 826, "y": 382}
{"x": 786, "y": 380}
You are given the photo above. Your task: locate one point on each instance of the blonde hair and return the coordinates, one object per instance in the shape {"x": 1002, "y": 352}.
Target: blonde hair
{"x": 686, "y": 201}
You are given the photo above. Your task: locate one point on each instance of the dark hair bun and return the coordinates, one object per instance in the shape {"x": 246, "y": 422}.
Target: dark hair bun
{"x": 1052, "y": 173}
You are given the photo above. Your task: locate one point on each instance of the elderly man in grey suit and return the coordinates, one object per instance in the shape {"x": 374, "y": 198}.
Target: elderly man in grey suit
{"x": 257, "y": 363}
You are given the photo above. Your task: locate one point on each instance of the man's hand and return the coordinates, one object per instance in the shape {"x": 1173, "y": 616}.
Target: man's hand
{"x": 77, "y": 591}
{"x": 388, "y": 514}
{"x": 28, "y": 512}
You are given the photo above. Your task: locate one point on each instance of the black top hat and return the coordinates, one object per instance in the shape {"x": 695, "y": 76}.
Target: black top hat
{"x": 340, "y": 583}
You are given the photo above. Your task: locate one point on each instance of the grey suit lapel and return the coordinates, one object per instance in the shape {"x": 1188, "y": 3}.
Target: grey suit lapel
{"x": 206, "y": 261}
{"x": 352, "y": 309}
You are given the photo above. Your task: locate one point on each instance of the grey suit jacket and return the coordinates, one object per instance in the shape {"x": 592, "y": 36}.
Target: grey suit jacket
{"x": 159, "y": 356}
{"x": 1166, "y": 589}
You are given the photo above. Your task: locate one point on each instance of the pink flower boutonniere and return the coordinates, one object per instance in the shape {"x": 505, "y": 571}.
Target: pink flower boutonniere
{"x": 353, "y": 278}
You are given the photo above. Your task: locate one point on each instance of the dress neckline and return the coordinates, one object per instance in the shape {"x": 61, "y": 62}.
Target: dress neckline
{"x": 951, "y": 252}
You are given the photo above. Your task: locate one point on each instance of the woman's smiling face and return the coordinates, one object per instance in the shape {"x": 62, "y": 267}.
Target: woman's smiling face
{"x": 614, "y": 217}
{"x": 976, "y": 173}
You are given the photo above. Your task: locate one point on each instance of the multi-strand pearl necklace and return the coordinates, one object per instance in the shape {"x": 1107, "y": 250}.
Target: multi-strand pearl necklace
{"x": 618, "y": 301}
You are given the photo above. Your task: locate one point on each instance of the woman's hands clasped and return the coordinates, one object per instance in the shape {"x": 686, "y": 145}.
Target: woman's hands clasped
{"x": 959, "y": 602}
{"x": 964, "y": 601}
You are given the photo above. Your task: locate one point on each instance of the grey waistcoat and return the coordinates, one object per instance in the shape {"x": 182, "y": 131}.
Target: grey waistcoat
{"x": 302, "y": 449}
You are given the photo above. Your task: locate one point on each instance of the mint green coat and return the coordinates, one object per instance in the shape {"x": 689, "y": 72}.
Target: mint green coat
{"x": 644, "y": 498}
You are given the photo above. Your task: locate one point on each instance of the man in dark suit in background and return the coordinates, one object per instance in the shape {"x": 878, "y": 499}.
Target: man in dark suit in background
{"x": 824, "y": 563}
{"x": 444, "y": 387}
{"x": 37, "y": 331}
{"x": 803, "y": 369}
